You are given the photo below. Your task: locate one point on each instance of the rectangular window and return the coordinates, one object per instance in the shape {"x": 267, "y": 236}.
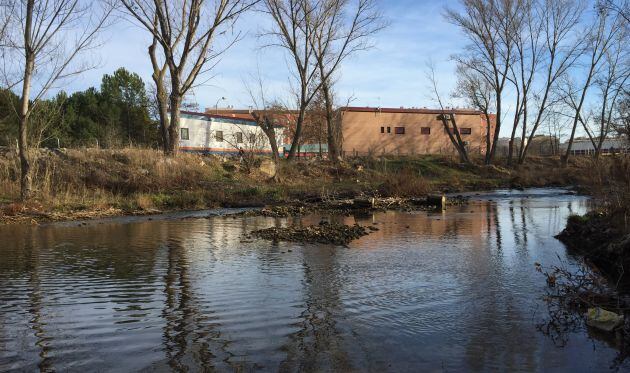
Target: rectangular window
{"x": 465, "y": 131}
{"x": 382, "y": 129}
{"x": 399, "y": 130}
{"x": 218, "y": 135}
{"x": 425, "y": 130}
{"x": 239, "y": 137}
{"x": 389, "y": 130}
{"x": 184, "y": 134}
{"x": 252, "y": 138}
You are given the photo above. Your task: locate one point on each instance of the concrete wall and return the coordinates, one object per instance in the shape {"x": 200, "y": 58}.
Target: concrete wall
{"x": 362, "y": 133}
{"x": 202, "y": 132}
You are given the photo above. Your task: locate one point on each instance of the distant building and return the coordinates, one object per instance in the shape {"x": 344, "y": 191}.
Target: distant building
{"x": 368, "y": 130}
{"x": 378, "y": 131}
{"x": 584, "y": 146}
{"x": 541, "y": 145}
{"x": 212, "y": 133}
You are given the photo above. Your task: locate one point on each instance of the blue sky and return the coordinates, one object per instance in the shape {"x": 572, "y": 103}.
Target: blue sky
{"x": 390, "y": 75}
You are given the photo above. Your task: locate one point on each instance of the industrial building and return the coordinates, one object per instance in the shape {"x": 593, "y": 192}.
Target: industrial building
{"x": 368, "y": 130}
{"x": 220, "y": 134}
{"x": 584, "y": 146}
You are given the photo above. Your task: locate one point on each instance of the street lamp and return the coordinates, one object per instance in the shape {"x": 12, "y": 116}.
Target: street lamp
{"x": 216, "y": 106}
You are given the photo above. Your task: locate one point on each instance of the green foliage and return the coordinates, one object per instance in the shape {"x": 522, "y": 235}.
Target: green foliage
{"x": 114, "y": 116}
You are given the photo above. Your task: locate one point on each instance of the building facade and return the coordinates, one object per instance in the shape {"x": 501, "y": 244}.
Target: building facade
{"x": 374, "y": 131}
{"x": 582, "y": 146}
{"x": 219, "y": 134}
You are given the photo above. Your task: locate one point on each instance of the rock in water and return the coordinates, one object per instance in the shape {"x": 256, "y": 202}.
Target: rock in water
{"x": 324, "y": 232}
{"x": 603, "y": 320}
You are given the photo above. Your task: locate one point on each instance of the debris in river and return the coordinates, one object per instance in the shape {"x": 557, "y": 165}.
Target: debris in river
{"x": 604, "y": 320}
{"x": 324, "y": 232}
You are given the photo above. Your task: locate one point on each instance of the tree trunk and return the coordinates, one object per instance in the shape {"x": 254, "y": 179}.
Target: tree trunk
{"x": 25, "y": 167}
{"x": 333, "y": 153}
{"x": 298, "y": 133}
{"x": 495, "y": 137}
{"x": 164, "y": 120}
{"x": 173, "y": 129}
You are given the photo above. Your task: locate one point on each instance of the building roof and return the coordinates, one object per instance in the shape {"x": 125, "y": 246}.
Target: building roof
{"x": 410, "y": 110}
{"x": 217, "y": 116}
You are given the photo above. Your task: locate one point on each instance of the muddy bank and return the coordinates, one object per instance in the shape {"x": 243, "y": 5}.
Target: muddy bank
{"x": 324, "y": 233}
{"x": 602, "y": 239}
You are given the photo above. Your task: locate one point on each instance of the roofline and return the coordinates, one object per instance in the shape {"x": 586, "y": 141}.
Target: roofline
{"x": 409, "y": 111}
{"x": 207, "y": 115}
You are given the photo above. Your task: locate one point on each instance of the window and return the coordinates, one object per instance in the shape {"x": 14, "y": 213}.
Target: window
{"x": 218, "y": 136}
{"x": 239, "y": 137}
{"x": 399, "y": 130}
{"x": 382, "y": 129}
{"x": 465, "y": 131}
{"x": 184, "y": 135}
{"x": 389, "y": 130}
{"x": 252, "y": 138}
{"x": 425, "y": 130}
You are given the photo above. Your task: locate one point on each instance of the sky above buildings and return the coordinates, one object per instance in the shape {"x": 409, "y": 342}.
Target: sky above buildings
{"x": 392, "y": 74}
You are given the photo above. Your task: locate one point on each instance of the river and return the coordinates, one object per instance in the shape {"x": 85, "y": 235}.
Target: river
{"x": 452, "y": 291}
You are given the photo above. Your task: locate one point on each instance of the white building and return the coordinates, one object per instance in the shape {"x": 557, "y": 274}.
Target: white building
{"x": 609, "y": 146}
{"x": 219, "y": 134}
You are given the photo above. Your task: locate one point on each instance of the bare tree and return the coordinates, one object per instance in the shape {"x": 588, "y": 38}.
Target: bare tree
{"x": 605, "y": 29}
{"x": 478, "y": 93}
{"x": 268, "y": 114}
{"x": 341, "y": 29}
{"x": 561, "y": 47}
{"x": 186, "y": 31}
{"x": 611, "y": 83}
{"x": 619, "y": 6}
{"x": 44, "y": 42}
{"x": 528, "y": 51}
{"x": 447, "y": 117}
{"x": 292, "y": 30}
{"x": 489, "y": 27}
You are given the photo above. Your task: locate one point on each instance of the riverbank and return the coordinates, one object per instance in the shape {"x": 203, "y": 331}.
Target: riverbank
{"x": 93, "y": 183}
{"x": 603, "y": 235}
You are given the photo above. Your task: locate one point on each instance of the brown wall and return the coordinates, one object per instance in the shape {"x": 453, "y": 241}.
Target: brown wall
{"x": 362, "y": 132}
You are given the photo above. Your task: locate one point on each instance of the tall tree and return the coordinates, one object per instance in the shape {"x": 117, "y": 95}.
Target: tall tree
{"x": 186, "y": 31}
{"x": 126, "y": 91}
{"x": 606, "y": 27}
{"x": 44, "y": 41}
{"x": 561, "y": 47}
{"x": 341, "y": 28}
{"x": 489, "y": 26}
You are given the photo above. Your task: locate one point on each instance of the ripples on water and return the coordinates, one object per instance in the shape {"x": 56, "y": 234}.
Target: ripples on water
{"x": 428, "y": 292}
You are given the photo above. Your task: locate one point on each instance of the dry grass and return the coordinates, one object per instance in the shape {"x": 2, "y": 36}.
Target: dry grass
{"x": 137, "y": 180}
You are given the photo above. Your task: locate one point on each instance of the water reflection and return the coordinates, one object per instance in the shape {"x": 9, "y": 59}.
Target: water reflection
{"x": 428, "y": 291}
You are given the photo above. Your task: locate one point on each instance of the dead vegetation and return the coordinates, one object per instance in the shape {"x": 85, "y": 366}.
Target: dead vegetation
{"x": 94, "y": 182}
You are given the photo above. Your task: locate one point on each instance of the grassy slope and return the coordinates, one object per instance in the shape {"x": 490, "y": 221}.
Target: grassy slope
{"x": 93, "y": 183}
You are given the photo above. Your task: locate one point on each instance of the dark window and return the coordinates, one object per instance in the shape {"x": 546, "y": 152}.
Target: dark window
{"x": 239, "y": 137}
{"x": 219, "y": 136}
{"x": 465, "y": 131}
{"x": 399, "y": 130}
{"x": 425, "y": 130}
{"x": 252, "y": 138}
{"x": 389, "y": 130}
{"x": 382, "y": 129}
{"x": 184, "y": 134}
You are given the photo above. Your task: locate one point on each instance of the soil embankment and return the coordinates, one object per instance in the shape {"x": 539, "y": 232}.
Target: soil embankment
{"x": 94, "y": 183}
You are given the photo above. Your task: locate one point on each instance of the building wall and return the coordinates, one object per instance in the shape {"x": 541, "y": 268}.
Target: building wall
{"x": 202, "y": 134}
{"x": 362, "y": 132}
{"x": 609, "y": 146}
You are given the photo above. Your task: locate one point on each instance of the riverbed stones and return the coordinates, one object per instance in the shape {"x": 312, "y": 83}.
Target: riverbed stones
{"x": 324, "y": 233}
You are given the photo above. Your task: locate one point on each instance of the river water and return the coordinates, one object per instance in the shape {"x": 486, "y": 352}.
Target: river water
{"x": 453, "y": 291}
